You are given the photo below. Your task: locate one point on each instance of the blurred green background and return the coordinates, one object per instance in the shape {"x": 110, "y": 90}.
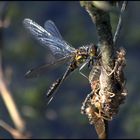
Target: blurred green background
{"x": 62, "y": 118}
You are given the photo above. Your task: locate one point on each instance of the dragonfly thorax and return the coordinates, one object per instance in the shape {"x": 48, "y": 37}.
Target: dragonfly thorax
{"x": 84, "y": 53}
{"x": 81, "y": 55}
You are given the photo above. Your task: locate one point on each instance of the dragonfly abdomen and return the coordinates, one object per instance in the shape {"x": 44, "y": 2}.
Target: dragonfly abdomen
{"x": 53, "y": 87}
{"x": 58, "y": 82}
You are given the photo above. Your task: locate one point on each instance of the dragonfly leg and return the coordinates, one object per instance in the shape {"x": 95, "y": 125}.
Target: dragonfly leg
{"x": 112, "y": 70}
{"x": 81, "y": 69}
{"x": 86, "y": 102}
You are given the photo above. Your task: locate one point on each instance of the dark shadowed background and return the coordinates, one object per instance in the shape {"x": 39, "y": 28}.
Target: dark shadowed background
{"x": 62, "y": 118}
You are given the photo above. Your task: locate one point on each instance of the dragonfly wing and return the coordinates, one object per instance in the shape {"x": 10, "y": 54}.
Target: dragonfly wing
{"x": 52, "y": 29}
{"x": 35, "y": 72}
{"x": 49, "y": 38}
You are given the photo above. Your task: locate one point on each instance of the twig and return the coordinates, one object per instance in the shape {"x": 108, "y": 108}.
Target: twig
{"x": 117, "y": 32}
{"x": 3, "y": 10}
{"x": 10, "y": 105}
{"x": 4, "y": 92}
{"x": 16, "y": 134}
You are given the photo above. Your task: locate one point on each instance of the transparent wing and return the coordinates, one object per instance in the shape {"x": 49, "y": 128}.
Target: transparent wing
{"x": 40, "y": 70}
{"x": 52, "y": 29}
{"x": 49, "y": 38}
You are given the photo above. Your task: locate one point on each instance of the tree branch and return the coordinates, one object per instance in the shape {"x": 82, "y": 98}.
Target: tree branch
{"x": 106, "y": 77}
{"x": 104, "y": 31}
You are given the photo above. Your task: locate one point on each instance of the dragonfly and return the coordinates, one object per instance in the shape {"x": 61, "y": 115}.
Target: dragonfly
{"x": 50, "y": 38}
